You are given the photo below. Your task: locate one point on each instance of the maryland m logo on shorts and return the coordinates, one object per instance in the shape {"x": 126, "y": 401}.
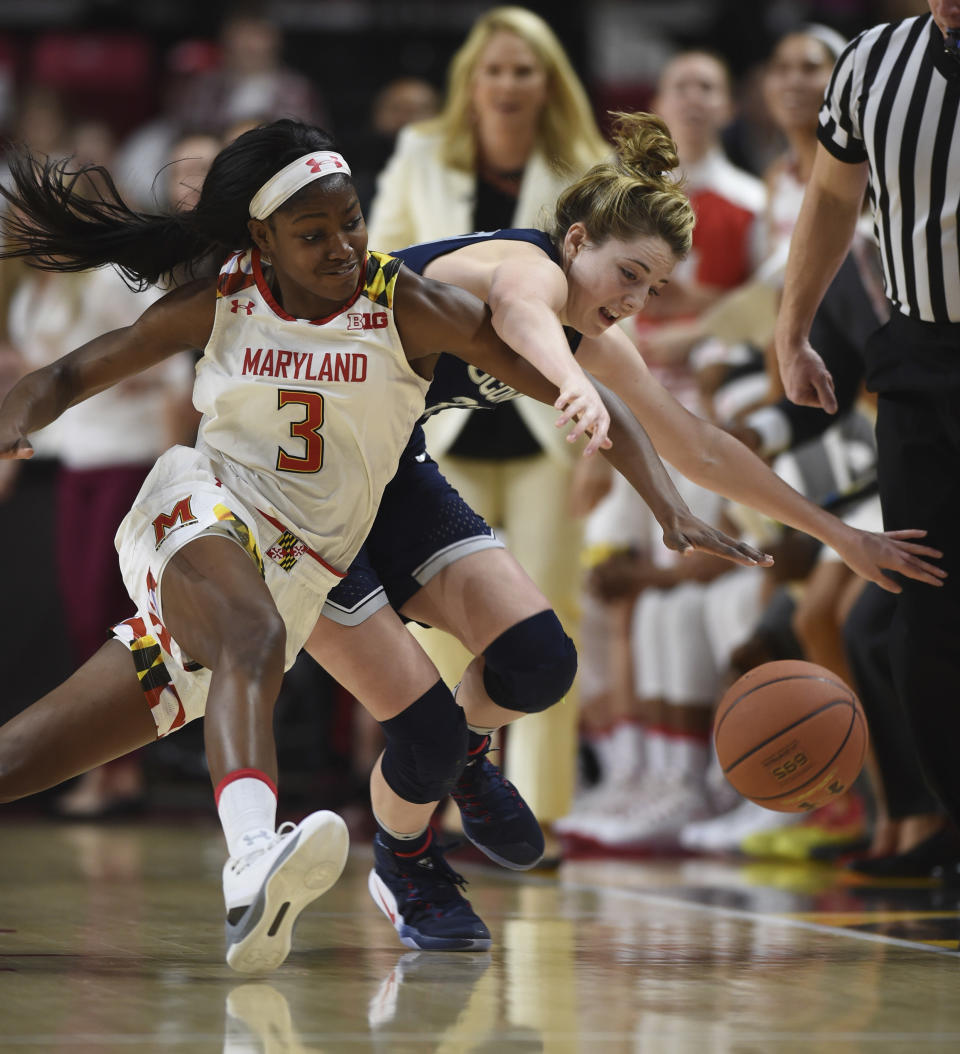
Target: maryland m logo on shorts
{"x": 167, "y": 522}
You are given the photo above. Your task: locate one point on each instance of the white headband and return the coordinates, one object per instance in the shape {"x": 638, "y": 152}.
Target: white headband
{"x": 285, "y": 183}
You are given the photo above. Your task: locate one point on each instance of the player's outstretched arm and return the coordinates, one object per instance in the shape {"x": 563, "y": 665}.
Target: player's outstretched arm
{"x": 180, "y": 321}
{"x": 716, "y": 460}
{"x": 473, "y": 339}
{"x": 633, "y": 455}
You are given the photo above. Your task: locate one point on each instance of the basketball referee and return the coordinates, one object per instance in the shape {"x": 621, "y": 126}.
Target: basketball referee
{"x": 889, "y": 126}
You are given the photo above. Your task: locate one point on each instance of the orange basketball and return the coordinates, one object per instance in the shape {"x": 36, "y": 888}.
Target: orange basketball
{"x": 790, "y": 735}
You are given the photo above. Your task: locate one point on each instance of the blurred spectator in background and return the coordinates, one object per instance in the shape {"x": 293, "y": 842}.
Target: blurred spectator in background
{"x": 187, "y": 166}
{"x": 752, "y": 140}
{"x": 250, "y": 79}
{"x": 40, "y": 119}
{"x": 402, "y": 101}
{"x": 217, "y": 88}
{"x": 143, "y": 153}
{"x": 516, "y": 127}
{"x": 694, "y": 98}
{"x": 31, "y": 610}
{"x": 106, "y": 447}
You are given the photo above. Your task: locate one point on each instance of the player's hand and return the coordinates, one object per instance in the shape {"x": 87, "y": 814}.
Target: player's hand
{"x": 870, "y": 552}
{"x": 806, "y": 379}
{"x": 580, "y": 402}
{"x": 687, "y": 534}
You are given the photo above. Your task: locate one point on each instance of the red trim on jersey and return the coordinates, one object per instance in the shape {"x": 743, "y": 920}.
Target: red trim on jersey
{"x": 243, "y": 774}
{"x": 278, "y": 310}
{"x": 310, "y": 552}
{"x": 232, "y": 281}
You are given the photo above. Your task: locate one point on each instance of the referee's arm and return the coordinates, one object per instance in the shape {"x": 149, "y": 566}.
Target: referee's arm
{"x": 820, "y": 240}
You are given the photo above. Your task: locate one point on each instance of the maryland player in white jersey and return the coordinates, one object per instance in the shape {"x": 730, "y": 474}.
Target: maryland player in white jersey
{"x": 302, "y": 424}
{"x": 315, "y": 365}
{"x": 339, "y": 386}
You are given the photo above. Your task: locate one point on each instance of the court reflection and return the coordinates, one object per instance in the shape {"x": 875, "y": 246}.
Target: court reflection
{"x": 112, "y": 938}
{"x": 257, "y": 1019}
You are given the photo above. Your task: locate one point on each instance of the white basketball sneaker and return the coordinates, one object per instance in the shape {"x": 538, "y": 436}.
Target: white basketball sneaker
{"x": 656, "y": 819}
{"x": 266, "y": 889}
{"x": 723, "y": 834}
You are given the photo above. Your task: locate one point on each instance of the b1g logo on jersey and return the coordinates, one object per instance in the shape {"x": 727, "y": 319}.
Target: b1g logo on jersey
{"x": 168, "y": 522}
{"x": 366, "y": 320}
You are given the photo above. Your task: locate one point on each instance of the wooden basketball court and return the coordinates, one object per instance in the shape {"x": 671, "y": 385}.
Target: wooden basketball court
{"x": 111, "y": 940}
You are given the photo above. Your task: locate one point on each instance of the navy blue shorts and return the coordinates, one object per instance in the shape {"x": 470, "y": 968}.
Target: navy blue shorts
{"x": 423, "y": 526}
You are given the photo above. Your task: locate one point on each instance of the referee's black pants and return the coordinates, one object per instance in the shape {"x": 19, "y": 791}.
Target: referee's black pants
{"x": 866, "y": 635}
{"x": 915, "y": 367}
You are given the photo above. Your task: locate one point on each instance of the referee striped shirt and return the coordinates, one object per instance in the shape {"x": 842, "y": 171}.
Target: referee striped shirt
{"x": 893, "y": 102}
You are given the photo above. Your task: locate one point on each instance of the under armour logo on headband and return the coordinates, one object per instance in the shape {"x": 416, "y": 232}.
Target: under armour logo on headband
{"x": 295, "y": 176}
{"x": 316, "y": 165}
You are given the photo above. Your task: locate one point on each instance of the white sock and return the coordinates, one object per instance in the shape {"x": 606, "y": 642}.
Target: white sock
{"x": 247, "y": 806}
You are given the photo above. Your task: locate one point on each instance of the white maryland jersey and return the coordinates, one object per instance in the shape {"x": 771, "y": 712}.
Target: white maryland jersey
{"x": 308, "y": 417}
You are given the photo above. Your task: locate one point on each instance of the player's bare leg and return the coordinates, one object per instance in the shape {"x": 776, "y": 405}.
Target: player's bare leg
{"x": 221, "y": 613}
{"x": 99, "y": 713}
{"x": 381, "y": 664}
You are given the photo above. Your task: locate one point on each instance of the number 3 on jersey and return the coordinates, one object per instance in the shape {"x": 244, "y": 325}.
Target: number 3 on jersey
{"x": 307, "y": 429}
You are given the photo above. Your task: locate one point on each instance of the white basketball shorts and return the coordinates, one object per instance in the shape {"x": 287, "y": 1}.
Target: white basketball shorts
{"x": 180, "y": 500}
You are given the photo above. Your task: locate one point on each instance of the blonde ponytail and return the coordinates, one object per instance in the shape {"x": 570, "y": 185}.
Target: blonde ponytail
{"x": 634, "y": 192}
{"x": 643, "y": 145}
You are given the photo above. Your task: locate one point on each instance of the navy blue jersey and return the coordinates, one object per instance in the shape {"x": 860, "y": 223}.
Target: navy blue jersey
{"x": 455, "y": 382}
{"x": 423, "y": 524}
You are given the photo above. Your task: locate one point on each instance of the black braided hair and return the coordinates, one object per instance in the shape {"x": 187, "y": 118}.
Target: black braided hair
{"x": 72, "y": 219}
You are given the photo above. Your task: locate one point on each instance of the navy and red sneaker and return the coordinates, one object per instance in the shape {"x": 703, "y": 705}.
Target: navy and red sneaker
{"x": 420, "y": 894}
{"x": 495, "y": 817}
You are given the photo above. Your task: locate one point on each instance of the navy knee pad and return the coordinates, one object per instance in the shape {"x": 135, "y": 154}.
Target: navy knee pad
{"x": 426, "y": 747}
{"x": 531, "y": 666}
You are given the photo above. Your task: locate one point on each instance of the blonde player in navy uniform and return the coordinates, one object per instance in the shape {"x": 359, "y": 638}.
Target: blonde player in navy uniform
{"x": 314, "y": 372}
{"x": 619, "y": 232}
